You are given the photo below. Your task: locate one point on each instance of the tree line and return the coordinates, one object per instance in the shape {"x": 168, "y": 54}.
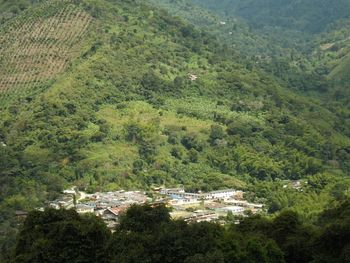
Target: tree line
{"x": 147, "y": 234}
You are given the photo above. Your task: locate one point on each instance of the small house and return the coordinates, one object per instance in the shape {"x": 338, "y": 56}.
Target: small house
{"x": 193, "y": 77}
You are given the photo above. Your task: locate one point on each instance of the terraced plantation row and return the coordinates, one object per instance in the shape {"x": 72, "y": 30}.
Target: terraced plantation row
{"x": 34, "y": 49}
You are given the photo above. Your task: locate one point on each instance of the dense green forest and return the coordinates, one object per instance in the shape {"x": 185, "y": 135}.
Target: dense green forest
{"x": 123, "y": 112}
{"x": 313, "y": 61}
{"x": 312, "y": 16}
{"x": 147, "y": 234}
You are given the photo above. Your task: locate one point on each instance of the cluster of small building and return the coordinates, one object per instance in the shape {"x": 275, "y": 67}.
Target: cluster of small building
{"x": 191, "y": 207}
{"x": 109, "y": 205}
{"x": 211, "y": 206}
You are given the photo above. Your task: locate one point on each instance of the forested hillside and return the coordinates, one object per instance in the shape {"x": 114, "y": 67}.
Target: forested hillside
{"x": 312, "y": 16}
{"x": 139, "y": 98}
{"x": 284, "y": 28}
{"x": 315, "y": 64}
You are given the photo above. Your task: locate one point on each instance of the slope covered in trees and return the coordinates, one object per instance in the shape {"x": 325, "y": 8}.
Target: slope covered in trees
{"x": 125, "y": 114}
{"x": 288, "y": 31}
{"x": 312, "y": 16}
{"x": 314, "y": 64}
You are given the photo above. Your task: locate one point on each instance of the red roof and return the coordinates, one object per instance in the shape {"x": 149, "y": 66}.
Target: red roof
{"x": 117, "y": 210}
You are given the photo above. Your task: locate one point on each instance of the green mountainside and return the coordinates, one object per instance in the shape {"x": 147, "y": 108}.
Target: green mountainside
{"x": 120, "y": 94}
{"x": 313, "y": 63}
{"x": 311, "y": 16}
{"x": 334, "y": 52}
{"x": 256, "y": 27}
{"x": 307, "y": 27}
{"x": 231, "y": 29}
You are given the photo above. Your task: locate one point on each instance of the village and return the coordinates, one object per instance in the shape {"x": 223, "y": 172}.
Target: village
{"x": 191, "y": 207}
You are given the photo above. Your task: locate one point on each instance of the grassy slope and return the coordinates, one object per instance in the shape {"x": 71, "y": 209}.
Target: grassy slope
{"x": 341, "y": 71}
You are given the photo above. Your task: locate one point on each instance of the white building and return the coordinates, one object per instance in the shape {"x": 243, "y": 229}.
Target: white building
{"x": 69, "y": 192}
{"x": 83, "y": 209}
{"x": 184, "y": 201}
{"x": 233, "y": 209}
{"x": 222, "y": 194}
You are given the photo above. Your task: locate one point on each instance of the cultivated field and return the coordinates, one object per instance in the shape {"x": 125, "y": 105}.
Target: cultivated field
{"x": 38, "y": 45}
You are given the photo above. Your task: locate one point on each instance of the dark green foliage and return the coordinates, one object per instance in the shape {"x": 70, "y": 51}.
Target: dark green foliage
{"x": 134, "y": 132}
{"x": 335, "y": 238}
{"x": 143, "y": 218}
{"x": 191, "y": 141}
{"x": 303, "y": 43}
{"x": 62, "y": 236}
{"x": 147, "y": 234}
{"x": 309, "y": 15}
{"x": 138, "y": 166}
{"x": 176, "y": 152}
{"x": 148, "y": 150}
{"x": 193, "y": 155}
{"x": 216, "y": 134}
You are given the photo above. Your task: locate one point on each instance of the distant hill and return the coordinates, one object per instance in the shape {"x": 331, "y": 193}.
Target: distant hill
{"x": 334, "y": 47}
{"x": 312, "y": 16}
{"x": 311, "y": 61}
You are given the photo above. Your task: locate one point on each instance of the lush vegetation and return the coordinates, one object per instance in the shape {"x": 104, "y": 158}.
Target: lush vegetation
{"x": 308, "y": 15}
{"x": 305, "y": 44}
{"x": 146, "y": 234}
{"x": 124, "y": 114}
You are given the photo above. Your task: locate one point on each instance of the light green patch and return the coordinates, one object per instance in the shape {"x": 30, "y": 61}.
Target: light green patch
{"x": 144, "y": 114}
{"x": 206, "y": 109}
{"x": 111, "y": 152}
{"x": 340, "y": 73}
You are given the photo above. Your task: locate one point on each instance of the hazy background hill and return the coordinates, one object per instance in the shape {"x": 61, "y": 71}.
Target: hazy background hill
{"x": 312, "y": 16}
{"x": 314, "y": 62}
{"x": 323, "y": 20}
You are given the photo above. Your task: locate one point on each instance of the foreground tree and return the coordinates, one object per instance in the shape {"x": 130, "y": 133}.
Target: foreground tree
{"x": 147, "y": 235}
{"x": 59, "y": 236}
